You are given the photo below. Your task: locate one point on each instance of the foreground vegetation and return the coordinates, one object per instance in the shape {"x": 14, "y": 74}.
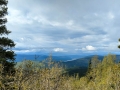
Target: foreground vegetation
{"x": 29, "y": 75}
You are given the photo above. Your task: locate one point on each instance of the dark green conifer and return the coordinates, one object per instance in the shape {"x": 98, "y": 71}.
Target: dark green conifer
{"x": 119, "y": 45}
{"x": 6, "y": 44}
{"x": 89, "y": 66}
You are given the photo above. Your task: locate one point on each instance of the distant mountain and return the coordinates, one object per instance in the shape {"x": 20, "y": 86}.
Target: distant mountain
{"x": 117, "y": 58}
{"x": 21, "y": 57}
{"x": 81, "y": 62}
{"x": 72, "y": 63}
{"x": 68, "y": 60}
{"x": 41, "y": 57}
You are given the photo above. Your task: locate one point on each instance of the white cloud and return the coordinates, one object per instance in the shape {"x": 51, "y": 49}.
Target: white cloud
{"x": 89, "y": 48}
{"x": 51, "y": 24}
{"x": 70, "y": 23}
{"x": 22, "y": 51}
{"x": 22, "y": 39}
{"x": 58, "y": 50}
{"x": 17, "y": 17}
{"x": 111, "y": 15}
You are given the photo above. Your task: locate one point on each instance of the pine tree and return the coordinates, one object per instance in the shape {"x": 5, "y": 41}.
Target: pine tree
{"x": 6, "y": 44}
{"x": 89, "y": 66}
{"x": 119, "y": 45}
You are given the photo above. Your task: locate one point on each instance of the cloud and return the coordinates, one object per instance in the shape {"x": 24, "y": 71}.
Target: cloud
{"x": 58, "y": 50}
{"x": 17, "y": 16}
{"x": 64, "y": 23}
{"x": 89, "y": 48}
{"x": 111, "y": 16}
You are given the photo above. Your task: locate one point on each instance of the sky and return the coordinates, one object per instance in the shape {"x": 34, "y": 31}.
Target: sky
{"x": 64, "y": 26}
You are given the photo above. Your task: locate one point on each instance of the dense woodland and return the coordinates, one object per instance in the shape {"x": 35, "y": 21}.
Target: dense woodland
{"x": 47, "y": 75}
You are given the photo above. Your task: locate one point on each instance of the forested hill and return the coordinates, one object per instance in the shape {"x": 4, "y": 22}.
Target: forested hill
{"x": 68, "y": 61}
{"x": 81, "y": 62}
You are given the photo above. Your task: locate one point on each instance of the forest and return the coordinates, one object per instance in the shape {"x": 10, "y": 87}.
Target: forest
{"x": 48, "y": 75}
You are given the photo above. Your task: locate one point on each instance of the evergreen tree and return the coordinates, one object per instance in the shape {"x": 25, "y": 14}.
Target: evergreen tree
{"x": 6, "y": 44}
{"x": 89, "y": 66}
{"x": 119, "y": 45}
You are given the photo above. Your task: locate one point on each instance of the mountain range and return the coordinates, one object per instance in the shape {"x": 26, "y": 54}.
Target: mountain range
{"x": 73, "y": 63}
{"x": 68, "y": 60}
{"x": 21, "y": 57}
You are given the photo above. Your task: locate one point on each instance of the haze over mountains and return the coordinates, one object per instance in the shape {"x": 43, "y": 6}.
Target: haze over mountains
{"x": 63, "y": 58}
{"x": 68, "y": 60}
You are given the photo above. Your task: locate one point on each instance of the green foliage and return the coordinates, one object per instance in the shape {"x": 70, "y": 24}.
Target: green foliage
{"x": 80, "y": 71}
{"x": 47, "y": 75}
{"x": 6, "y": 54}
{"x": 105, "y": 76}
